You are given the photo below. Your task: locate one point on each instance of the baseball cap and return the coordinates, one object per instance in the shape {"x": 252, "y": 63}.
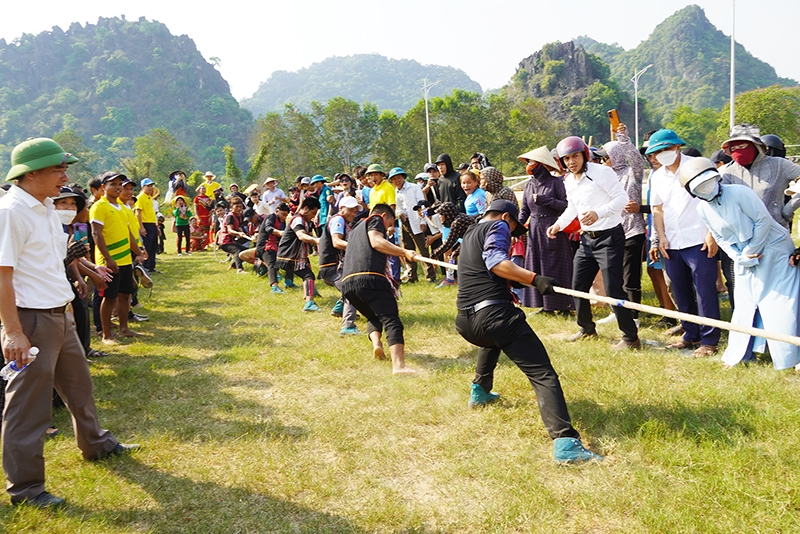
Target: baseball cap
{"x": 348, "y": 202}
{"x": 506, "y": 206}
{"x": 147, "y": 181}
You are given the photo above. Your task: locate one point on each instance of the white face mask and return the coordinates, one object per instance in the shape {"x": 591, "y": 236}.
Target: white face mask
{"x": 667, "y": 157}
{"x": 707, "y": 190}
{"x": 66, "y": 216}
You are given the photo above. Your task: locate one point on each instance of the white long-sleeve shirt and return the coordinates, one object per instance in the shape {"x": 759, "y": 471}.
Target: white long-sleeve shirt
{"x": 409, "y": 196}
{"x": 597, "y": 190}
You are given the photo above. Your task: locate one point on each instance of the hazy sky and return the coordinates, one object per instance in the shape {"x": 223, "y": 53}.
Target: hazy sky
{"x": 485, "y": 40}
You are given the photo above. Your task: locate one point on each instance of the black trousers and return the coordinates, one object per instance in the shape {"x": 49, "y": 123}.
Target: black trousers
{"x": 632, "y": 269}
{"x": 728, "y": 269}
{"x": 233, "y": 249}
{"x": 504, "y": 328}
{"x": 150, "y": 245}
{"x": 605, "y": 253}
{"x": 379, "y": 308}
{"x": 183, "y": 231}
{"x": 268, "y": 257}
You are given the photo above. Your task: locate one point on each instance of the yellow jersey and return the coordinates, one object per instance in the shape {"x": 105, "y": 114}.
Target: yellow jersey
{"x": 116, "y": 231}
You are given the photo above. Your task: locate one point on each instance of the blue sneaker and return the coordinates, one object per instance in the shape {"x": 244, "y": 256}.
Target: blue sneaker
{"x": 446, "y": 283}
{"x": 350, "y": 331}
{"x": 288, "y": 284}
{"x": 276, "y": 289}
{"x": 572, "y": 451}
{"x": 479, "y": 396}
{"x": 311, "y": 306}
{"x": 338, "y": 308}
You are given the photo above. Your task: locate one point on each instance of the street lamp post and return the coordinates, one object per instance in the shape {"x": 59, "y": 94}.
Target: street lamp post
{"x": 426, "y": 89}
{"x": 733, "y": 67}
{"x": 635, "y": 80}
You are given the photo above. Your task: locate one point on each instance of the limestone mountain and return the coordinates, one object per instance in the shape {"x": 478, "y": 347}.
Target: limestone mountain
{"x": 393, "y": 84}
{"x": 691, "y": 63}
{"x": 112, "y": 81}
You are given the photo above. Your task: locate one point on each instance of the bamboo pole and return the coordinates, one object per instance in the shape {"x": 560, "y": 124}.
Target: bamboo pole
{"x": 696, "y": 319}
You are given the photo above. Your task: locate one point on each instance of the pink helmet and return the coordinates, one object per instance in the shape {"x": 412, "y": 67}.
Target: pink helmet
{"x": 570, "y": 145}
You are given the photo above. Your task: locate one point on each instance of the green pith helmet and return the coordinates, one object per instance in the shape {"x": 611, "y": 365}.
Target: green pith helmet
{"x": 375, "y": 168}
{"x": 37, "y": 154}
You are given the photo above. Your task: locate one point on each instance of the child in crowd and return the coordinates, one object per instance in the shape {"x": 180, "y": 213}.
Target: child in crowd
{"x": 182, "y": 214}
{"x": 475, "y": 204}
{"x": 197, "y": 235}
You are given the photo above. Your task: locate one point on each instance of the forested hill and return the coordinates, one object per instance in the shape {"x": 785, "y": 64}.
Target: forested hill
{"x": 393, "y": 84}
{"x": 691, "y": 63}
{"x": 111, "y": 82}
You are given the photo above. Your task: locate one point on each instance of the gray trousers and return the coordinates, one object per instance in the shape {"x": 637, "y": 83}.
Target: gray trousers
{"x": 61, "y": 363}
{"x": 349, "y": 312}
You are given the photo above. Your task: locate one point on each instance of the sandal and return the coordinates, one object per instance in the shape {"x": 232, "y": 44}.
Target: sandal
{"x": 96, "y": 354}
{"x": 704, "y": 350}
{"x": 683, "y": 344}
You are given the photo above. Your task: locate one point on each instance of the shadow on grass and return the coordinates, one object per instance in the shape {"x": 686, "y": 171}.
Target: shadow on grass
{"x": 186, "y": 505}
{"x": 720, "y": 425}
{"x": 185, "y": 398}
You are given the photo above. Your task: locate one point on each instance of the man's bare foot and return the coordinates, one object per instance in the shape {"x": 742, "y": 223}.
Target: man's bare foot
{"x": 378, "y": 353}
{"x": 403, "y": 371}
{"x": 109, "y": 341}
{"x": 129, "y": 333}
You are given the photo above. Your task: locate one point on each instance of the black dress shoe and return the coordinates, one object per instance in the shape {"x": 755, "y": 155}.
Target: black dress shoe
{"x": 120, "y": 449}
{"x": 43, "y": 500}
{"x": 581, "y": 335}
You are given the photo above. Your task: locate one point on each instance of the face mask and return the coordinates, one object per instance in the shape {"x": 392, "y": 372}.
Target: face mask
{"x": 667, "y": 157}
{"x": 708, "y": 190}
{"x": 745, "y": 156}
{"x": 66, "y": 216}
{"x": 530, "y": 167}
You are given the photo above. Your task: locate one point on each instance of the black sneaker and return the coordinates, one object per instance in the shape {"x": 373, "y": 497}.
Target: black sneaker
{"x": 140, "y": 273}
{"x": 138, "y": 318}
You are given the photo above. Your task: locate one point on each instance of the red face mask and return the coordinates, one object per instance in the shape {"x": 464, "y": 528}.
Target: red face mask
{"x": 531, "y": 166}
{"x": 745, "y": 156}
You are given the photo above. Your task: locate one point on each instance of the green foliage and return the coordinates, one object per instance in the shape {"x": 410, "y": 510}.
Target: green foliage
{"x": 695, "y": 127}
{"x": 691, "y": 61}
{"x": 232, "y": 171}
{"x": 84, "y": 169}
{"x": 388, "y": 83}
{"x": 114, "y": 80}
{"x": 157, "y": 154}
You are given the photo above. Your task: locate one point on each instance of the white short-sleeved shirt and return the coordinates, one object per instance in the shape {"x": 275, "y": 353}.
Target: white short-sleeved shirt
{"x": 682, "y": 222}
{"x": 33, "y": 243}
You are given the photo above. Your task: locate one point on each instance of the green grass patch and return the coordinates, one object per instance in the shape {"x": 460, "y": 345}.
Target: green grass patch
{"x": 257, "y": 417}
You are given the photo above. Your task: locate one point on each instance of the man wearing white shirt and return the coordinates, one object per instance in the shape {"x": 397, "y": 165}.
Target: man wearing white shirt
{"x": 414, "y": 227}
{"x": 272, "y": 195}
{"x": 34, "y": 293}
{"x": 688, "y": 249}
{"x": 596, "y": 197}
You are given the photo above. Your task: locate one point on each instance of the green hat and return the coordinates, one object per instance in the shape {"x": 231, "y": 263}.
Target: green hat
{"x": 375, "y": 168}
{"x": 36, "y": 154}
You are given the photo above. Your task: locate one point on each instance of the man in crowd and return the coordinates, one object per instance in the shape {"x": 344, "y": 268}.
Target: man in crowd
{"x": 211, "y": 184}
{"x": 413, "y": 227}
{"x": 688, "y": 249}
{"x": 269, "y": 233}
{"x": 366, "y": 284}
{"x": 146, "y": 214}
{"x": 114, "y": 243}
{"x": 596, "y": 197}
{"x": 34, "y": 293}
{"x": 293, "y": 249}
{"x": 381, "y": 191}
{"x": 332, "y": 247}
{"x": 488, "y": 318}
{"x": 272, "y": 195}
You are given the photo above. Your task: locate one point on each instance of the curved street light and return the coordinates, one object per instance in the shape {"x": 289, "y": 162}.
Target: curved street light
{"x": 635, "y": 80}
{"x": 426, "y": 89}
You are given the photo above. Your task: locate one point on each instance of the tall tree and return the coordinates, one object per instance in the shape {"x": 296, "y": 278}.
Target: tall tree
{"x": 156, "y": 155}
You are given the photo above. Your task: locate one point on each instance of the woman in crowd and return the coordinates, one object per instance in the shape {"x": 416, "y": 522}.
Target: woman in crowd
{"x": 543, "y": 200}
{"x": 767, "y": 285}
{"x": 475, "y": 204}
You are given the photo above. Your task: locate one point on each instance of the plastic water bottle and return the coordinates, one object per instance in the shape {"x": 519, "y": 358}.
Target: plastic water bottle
{"x": 11, "y": 370}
